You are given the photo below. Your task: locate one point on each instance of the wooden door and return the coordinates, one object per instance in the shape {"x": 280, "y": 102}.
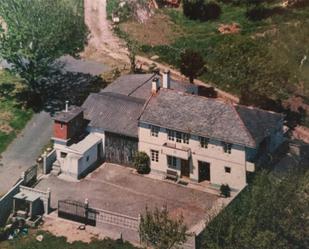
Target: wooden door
{"x": 185, "y": 168}
{"x": 203, "y": 171}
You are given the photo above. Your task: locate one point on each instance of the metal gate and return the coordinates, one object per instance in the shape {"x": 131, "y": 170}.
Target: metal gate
{"x": 76, "y": 211}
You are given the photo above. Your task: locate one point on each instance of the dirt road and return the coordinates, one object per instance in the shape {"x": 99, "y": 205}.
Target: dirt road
{"x": 103, "y": 43}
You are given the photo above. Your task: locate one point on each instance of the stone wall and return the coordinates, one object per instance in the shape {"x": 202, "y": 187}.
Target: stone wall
{"x": 6, "y": 202}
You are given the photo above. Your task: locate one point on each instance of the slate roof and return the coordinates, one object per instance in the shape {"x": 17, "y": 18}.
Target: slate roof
{"x": 259, "y": 123}
{"x": 139, "y": 85}
{"x": 69, "y": 115}
{"x": 205, "y": 117}
{"x": 114, "y": 112}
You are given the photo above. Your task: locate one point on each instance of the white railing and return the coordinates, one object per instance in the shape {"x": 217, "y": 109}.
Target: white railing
{"x": 108, "y": 217}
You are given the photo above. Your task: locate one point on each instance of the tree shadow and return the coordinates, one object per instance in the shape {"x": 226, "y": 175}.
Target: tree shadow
{"x": 60, "y": 86}
{"x": 292, "y": 118}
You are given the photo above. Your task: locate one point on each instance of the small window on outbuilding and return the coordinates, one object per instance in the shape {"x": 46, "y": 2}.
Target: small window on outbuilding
{"x": 87, "y": 158}
{"x": 227, "y": 169}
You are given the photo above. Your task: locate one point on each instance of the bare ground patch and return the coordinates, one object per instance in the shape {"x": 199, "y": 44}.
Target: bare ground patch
{"x": 157, "y": 30}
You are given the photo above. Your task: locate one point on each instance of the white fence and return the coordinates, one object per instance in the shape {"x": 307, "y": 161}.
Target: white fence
{"x": 108, "y": 217}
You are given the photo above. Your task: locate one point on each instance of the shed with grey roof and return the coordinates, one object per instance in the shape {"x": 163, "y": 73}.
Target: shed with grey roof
{"x": 139, "y": 85}
{"x": 114, "y": 112}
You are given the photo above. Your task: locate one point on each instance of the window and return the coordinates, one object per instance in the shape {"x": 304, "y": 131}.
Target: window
{"x": 227, "y": 148}
{"x": 227, "y": 169}
{"x": 154, "y": 155}
{"x": 185, "y": 138}
{"x": 87, "y": 158}
{"x": 63, "y": 154}
{"x": 178, "y": 137}
{"x": 171, "y": 162}
{"x": 154, "y": 130}
{"x": 204, "y": 142}
{"x": 171, "y": 135}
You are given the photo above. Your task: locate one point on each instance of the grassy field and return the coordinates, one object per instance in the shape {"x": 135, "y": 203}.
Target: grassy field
{"x": 12, "y": 116}
{"x": 205, "y": 38}
{"x": 52, "y": 242}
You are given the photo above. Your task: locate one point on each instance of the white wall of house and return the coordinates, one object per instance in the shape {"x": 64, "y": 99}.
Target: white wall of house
{"x": 74, "y": 163}
{"x": 89, "y": 158}
{"x": 99, "y": 133}
{"x": 213, "y": 154}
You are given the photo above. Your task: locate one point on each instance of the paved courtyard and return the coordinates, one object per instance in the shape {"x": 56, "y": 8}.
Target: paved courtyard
{"x": 116, "y": 188}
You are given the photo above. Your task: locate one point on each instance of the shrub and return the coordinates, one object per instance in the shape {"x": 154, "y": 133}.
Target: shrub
{"x": 225, "y": 190}
{"x": 141, "y": 163}
{"x": 211, "y": 11}
{"x": 258, "y": 13}
{"x": 201, "y": 10}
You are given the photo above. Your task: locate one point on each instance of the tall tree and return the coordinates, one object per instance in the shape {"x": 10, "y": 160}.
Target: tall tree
{"x": 270, "y": 213}
{"x": 160, "y": 231}
{"x": 191, "y": 64}
{"x": 35, "y": 33}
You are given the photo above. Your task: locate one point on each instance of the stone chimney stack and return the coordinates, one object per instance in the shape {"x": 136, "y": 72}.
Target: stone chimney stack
{"x": 66, "y": 106}
{"x": 155, "y": 85}
{"x": 166, "y": 79}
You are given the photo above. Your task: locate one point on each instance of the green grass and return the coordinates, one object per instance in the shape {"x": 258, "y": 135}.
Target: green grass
{"x": 205, "y": 38}
{"x": 18, "y": 115}
{"x": 52, "y": 242}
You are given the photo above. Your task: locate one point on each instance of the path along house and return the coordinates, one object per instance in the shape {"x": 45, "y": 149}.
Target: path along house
{"x": 201, "y": 139}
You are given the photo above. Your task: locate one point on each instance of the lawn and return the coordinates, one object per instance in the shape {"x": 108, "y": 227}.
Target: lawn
{"x": 52, "y": 242}
{"x": 205, "y": 38}
{"x": 13, "y": 117}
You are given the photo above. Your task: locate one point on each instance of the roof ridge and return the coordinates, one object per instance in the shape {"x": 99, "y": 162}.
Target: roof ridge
{"x": 153, "y": 75}
{"x": 243, "y": 124}
{"x": 145, "y": 106}
{"x": 259, "y": 109}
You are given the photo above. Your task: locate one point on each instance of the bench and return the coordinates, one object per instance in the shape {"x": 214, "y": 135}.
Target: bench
{"x": 172, "y": 175}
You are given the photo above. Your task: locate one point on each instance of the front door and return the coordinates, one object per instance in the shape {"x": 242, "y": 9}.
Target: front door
{"x": 203, "y": 171}
{"x": 185, "y": 168}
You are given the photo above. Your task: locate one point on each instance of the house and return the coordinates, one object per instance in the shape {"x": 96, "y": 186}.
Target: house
{"x": 200, "y": 139}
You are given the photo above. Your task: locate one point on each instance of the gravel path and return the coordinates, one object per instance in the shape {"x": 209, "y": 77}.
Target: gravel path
{"x": 102, "y": 42}
{"x": 23, "y": 151}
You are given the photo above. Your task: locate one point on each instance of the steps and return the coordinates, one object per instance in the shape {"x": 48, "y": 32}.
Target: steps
{"x": 56, "y": 169}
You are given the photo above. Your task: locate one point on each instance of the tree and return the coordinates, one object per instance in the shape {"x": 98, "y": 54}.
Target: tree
{"x": 141, "y": 163}
{"x": 271, "y": 211}
{"x": 191, "y": 64}
{"x": 201, "y": 10}
{"x": 37, "y": 32}
{"x": 161, "y": 232}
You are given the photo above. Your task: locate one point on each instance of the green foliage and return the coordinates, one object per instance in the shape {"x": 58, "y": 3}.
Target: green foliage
{"x": 141, "y": 163}
{"x": 160, "y": 231}
{"x": 201, "y": 10}
{"x": 12, "y": 114}
{"x": 269, "y": 212}
{"x": 37, "y": 32}
{"x": 225, "y": 190}
{"x": 191, "y": 64}
{"x": 51, "y": 242}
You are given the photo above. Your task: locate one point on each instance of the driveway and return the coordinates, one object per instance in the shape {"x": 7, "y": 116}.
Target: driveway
{"x": 116, "y": 188}
{"x": 23, "y": 151}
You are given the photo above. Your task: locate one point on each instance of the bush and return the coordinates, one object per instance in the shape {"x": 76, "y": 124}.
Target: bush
{"x": 141, "y": 163}
{"x": 258, "y": 13}
{"x": 225, "y": 190}
{"x": 201, "y": 10}
{"x": 211, "y": 11}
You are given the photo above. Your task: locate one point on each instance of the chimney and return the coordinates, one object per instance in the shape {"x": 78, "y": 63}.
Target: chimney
{"x": 166, "y": 79}
{"x": 66, "y": 106}
{"x": 155, "y": 85}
